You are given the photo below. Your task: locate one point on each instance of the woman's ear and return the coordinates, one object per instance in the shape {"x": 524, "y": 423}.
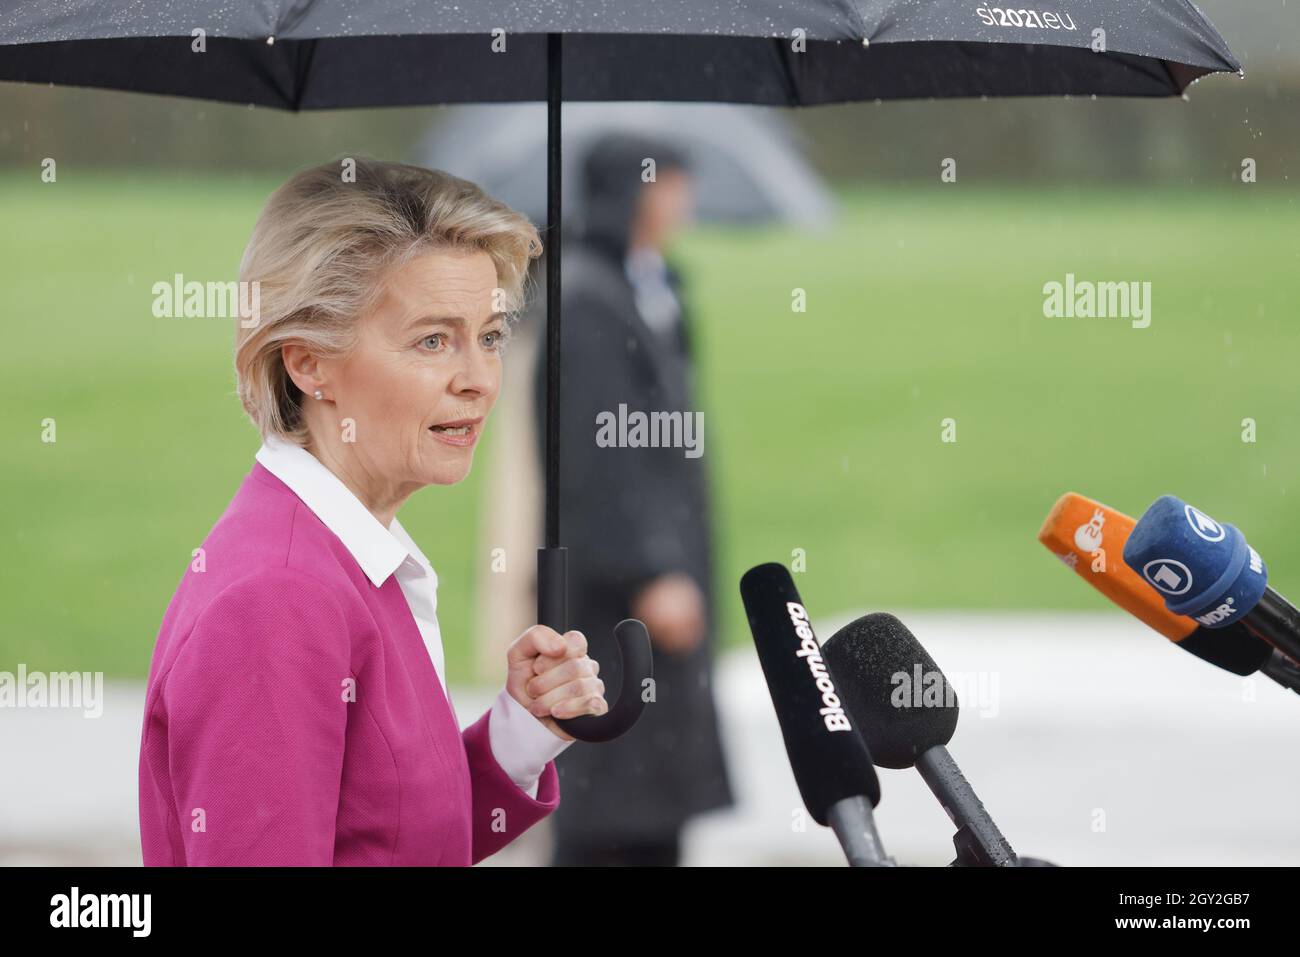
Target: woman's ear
{"x": 303, "y": 367}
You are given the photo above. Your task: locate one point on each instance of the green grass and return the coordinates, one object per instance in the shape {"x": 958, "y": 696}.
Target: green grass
{"x": 823, "y": 428}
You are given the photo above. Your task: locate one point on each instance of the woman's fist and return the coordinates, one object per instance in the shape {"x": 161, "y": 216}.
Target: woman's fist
{"x": 551, "y": 675}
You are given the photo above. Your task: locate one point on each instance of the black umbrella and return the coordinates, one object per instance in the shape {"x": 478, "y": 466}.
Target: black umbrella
{"x": 326, "y": 54}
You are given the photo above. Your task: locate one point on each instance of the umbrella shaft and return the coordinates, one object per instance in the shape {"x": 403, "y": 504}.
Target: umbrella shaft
{"x": 554, "y": 85}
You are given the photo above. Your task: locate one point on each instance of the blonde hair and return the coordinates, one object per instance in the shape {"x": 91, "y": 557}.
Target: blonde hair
{"x": 322, "y": 248}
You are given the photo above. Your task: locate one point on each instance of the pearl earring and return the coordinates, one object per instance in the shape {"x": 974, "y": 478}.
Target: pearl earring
{"x": 319, "y": 394}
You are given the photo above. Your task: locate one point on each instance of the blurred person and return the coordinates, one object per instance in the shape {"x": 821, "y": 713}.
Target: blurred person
{"x": 636, "y": 521}
{"x": 297, "y": 711}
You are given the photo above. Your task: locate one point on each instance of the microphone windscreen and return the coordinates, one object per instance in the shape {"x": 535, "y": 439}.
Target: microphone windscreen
{"x": 1090, "y": 538}
{"x": 1200, "y": 567}
{"x": 830, "y": 762}
{"x": 896, "y": 695}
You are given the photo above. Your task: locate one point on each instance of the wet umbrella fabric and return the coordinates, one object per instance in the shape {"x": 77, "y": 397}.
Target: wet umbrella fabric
{"x": 322, "y": 54}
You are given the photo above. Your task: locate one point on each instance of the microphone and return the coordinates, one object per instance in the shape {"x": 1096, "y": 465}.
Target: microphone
{"x": 1207, "y": 570}
{"x": 1086, "y": 535}
{"x": 907, "y": 712}
{"x": 831, "y": 765}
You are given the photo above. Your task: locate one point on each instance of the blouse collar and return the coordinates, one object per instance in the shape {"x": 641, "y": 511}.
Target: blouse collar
{"x": 379, "y": 551}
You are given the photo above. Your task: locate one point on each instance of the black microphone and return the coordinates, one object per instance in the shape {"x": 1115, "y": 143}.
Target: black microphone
{"x": 831, "y": 765}
{"x": 906, "y": 710}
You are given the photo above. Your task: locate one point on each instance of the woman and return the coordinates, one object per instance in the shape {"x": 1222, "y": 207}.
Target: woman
{"x": 297, "y": 711}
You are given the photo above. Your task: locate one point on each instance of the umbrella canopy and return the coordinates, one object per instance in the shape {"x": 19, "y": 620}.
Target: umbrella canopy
{"x": 321, "y": 54}
{"x": 744, "y": 162}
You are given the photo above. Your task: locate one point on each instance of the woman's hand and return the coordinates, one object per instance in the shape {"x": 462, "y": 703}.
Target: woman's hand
{"x": 551, "y": 675}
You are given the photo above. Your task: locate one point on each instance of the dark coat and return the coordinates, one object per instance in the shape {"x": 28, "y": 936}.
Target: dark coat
{"x": 627, "y": 516}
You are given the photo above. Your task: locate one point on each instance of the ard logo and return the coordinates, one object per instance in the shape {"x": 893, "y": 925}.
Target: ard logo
{"x": 1168, "y": 576}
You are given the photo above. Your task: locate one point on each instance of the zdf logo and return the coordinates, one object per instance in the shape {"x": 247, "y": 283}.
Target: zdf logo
{"x": 1088, "y": 536}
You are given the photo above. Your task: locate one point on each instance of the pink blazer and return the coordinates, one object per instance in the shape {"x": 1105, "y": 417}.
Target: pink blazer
{"x": 293, "y": 715}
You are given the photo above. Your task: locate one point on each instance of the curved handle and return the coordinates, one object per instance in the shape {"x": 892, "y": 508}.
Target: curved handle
{"x": 633, "y": 647}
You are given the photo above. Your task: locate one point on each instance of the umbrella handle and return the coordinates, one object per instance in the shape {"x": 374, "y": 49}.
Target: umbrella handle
{"x": 633, "y": 647}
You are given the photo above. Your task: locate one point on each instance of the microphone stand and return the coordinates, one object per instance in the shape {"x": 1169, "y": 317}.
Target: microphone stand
{"x": 855, "y": 827}
{"x": 978, "y": 841}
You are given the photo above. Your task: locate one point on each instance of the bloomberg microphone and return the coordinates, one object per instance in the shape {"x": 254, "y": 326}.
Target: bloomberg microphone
{"x": 872, "y": 658}
{"x": 831, "y": 765}
{"x": 1086, "y": 535}
{"x": 1206, "y": 570}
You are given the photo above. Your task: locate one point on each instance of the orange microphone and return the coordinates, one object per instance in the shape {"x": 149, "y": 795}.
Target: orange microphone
{"x": 1089, "y": 537}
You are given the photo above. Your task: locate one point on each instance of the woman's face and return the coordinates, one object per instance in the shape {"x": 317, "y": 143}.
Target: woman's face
{"x": 425, "y": 371}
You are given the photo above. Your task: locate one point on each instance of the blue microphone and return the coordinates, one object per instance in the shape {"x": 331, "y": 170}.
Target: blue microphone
{"x": 1206, "y": 570}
